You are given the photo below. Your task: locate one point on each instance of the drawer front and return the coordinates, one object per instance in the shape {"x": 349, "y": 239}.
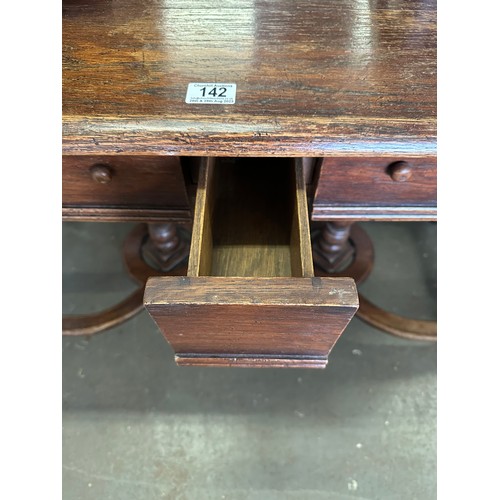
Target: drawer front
{"x": 376, "y": 188}
{"x": 123, "y": 181}
{"x": 251, "y": 321}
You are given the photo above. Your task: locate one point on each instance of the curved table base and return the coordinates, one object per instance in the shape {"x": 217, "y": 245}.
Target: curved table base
{"x": 394, "y": 324}
{"x": 359, "y": 269}
{"x": 90, "y": 324}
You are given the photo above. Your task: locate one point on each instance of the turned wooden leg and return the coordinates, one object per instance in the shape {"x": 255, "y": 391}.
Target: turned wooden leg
{"x": 344, "y": 249}
{"x": 332, "y": 249}
{"x": 150, "y": 250}
{"x": 164, "y": 249}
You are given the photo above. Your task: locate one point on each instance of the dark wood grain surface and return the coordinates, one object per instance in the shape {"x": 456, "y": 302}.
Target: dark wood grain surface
{"x": 257, "y": 291}
{"x": 133, "y": 181}
{"x": 376, "y": 188}
{"x": 314, "y": 77}
{"x": 265, "y": 322}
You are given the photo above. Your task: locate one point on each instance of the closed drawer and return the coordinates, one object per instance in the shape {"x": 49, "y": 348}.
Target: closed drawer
{"x": 250, "y": 297}
{"x": 376, "y": 188}
{"x": 141, "y": 185}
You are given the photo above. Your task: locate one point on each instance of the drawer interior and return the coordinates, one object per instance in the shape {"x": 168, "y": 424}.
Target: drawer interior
{"x": 251, "y": 220}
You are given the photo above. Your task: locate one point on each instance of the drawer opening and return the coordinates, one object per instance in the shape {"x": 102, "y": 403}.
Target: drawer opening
{"x": 251, "y": 220}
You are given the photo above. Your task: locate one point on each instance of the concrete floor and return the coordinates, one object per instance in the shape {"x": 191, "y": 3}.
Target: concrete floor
{"x": 136, "y": 426}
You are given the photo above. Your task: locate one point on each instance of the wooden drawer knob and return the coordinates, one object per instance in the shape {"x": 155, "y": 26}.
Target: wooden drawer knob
{"x": 400, "y": 171}
{"x": 101, "y": 174}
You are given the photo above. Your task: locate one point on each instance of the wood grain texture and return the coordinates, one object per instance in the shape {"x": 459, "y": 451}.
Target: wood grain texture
{"x": 200, "y": 256}
{"x": 231, "y": 361}
{"x": 315, "y": 77}
{"x": 125, "y": 214}
{"x": 251, "y": 219}
{"x": 242, "y": 291}
{"x": 135, "y": 182}
{"x": 364, "y": 189}
{"x": 300, "y": 237}
{"x": 290, "y": 318}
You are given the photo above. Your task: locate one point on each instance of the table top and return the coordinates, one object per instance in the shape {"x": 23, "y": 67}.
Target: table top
{"x": 314, "y": 77}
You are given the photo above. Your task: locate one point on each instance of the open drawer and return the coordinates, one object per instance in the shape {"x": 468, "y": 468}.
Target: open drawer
{"x": 250, "y": 297}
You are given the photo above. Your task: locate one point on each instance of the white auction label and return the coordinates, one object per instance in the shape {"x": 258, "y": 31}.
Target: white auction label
{"x": 211, "y": 93}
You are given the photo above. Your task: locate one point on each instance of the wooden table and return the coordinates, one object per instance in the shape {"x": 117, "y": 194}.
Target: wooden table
{"x": 345, "y": 91}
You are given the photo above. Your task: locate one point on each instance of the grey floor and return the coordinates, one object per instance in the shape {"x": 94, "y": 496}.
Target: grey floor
{"x": 136, "y": 426}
